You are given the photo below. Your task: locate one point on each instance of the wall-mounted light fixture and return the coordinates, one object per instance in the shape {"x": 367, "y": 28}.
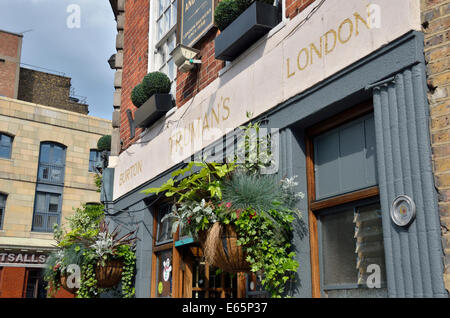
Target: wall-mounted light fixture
{"x": 184, "y": 57}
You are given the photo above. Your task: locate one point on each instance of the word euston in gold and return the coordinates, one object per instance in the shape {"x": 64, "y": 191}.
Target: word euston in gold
{"x": 130, "y": 173}
{"x": 328, "y": 42}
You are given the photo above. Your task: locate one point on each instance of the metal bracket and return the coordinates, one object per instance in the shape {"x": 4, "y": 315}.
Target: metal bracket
{"x": 131, "y": 124}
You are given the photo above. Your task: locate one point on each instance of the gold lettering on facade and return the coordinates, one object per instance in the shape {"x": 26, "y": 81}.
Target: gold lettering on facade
{"x": 300, "y": 67}
{"x": 327, "y": 43}
{"x": 350, "y": 33}
{"x": 225, "y": 106}
{"x": 357, "y": 19}
{"x": 195, "y": 130}
{"x": 328, "y": 50}
{"x": 130, "y": 173}
{"x": 289, "y": 74}
{"x": 314, "y": 49}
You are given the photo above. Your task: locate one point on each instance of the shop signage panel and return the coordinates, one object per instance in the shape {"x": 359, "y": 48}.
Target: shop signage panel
{"x": 197, "y": 18}
{"x": 295, "y": 58}
{"x": 13, "y": 258}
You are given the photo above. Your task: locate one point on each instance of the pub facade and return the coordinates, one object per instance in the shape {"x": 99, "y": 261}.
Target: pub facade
{"x": 343, "y": 88}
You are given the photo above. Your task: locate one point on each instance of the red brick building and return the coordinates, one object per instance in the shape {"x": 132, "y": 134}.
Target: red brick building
{"x": 10, "y": 63}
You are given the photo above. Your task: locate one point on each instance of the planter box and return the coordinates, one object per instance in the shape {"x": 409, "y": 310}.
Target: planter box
{"x": 250, "y": 26}
{"x": 153, "y": 109}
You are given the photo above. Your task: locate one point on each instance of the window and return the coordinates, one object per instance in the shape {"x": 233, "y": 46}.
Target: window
{"x": 52, "y": 160}
{"x": 344, "y": 210}
{"x": 163, "y": 37}
{"x": 162, "y": 256}
{"x": 36, "y": 285}
{"x": 5, "y": 146}
{"x": 2, "y": 208}
{"x": 47, "y": 211}
{"x": 94, "y": 160}
{"x": 351, "y": 241}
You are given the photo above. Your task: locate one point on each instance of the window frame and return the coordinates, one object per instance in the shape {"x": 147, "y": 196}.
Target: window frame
{"x": 335, "y": 210}
{"x": 51, "y": 165}
{"x": 98, "y": 159}
{"x": 314, "y": 206}
{"x": 45, "y": 227}
{"x": 3, "y": 209}
{"x": 10, "y": 144}
{"x": 156, "y": 42}
{"x": 160, "y": 247}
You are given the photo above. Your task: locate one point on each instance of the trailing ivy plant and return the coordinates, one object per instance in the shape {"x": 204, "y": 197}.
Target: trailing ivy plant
{"x": 89, "y": 243}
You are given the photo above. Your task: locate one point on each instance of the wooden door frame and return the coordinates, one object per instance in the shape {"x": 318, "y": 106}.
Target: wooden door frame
{"x": 315, "y": 205}
{"x": 177, "y": 259}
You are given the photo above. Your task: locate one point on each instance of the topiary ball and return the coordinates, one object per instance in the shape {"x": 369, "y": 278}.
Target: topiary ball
{"x": 244, "y": 4}
{"x": 155, "y": 83}
{"x": 226, "y": 12}
{"x": 104, "y": 143}
{"x": 138, "y": 96}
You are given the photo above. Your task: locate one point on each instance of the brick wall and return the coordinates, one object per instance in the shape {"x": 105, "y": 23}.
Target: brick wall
{"x": 294, "y": 7}
{"x": 436, "y": 22}
{"x": 10, "y": 47}
{"x": 189, "y": 84}
{"x": 12, "y": 282}
{"x": 48, "y": 89}
{"x": 135, "y": 47}
{"x": 135, "y": 60}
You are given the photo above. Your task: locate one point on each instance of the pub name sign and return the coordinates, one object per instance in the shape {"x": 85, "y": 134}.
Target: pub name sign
{"x": 197, "y": 18}
{"x": 8, "y": 258}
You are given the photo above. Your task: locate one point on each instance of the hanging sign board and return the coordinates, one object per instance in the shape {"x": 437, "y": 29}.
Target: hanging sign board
{"x": 197, "y": 18}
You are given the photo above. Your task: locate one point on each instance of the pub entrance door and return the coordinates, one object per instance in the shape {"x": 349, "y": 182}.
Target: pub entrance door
{"x": 201, "y": 280}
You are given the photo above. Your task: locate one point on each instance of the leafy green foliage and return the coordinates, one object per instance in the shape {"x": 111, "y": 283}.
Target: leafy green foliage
{"x": 226, "y": 12}
{"x": 271, "y": 257}
{"x": 125, "y": 253}
{"x": 155, "y": 83}
{"x": 89, "y": 243}
{"x": 138, "y": 95}
{"x": 261, "y": 208}
{"x": 192, "y": 216}
{"x": 205, "y": 184}
{"x": 104, "y": 143}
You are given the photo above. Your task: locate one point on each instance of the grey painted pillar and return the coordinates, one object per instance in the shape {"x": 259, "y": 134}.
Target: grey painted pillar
{"x": 414, "y": 256}
{"x": 292, "y": 161}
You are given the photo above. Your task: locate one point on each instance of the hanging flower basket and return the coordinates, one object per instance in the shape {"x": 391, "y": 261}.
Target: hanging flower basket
{"x": 221, "y": 249}
{"x": 64, "y": 285}
{"x": 109, "y": 275}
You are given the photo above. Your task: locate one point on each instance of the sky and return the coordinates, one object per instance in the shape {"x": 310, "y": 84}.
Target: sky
{"x": 55, "y": 39}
